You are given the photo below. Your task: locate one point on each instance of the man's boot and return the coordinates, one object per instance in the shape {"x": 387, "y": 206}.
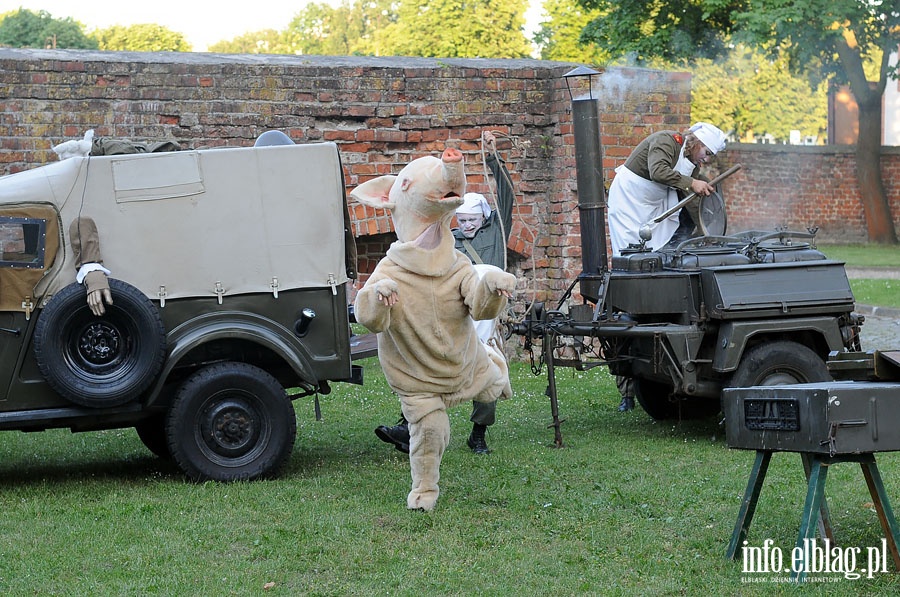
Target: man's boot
{"x": 397, "y": 435}
{"x": 476, "y": 439}
{"x": 626, "y": 390}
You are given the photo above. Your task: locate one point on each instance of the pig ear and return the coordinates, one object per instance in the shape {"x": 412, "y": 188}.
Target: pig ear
{"x": 375, "y": 192}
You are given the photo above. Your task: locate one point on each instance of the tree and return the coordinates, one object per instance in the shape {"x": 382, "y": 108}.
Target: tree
{"x": 558, "y": 35}
{"x": 24, "y": 28}
{"x": 146, "y": 37}
{"x": 364, "y": 23}
{"x": 336, "y": 31}
{"x": 750, "y": 95}
{"x": 453, "y": 29}
{"x": 266, "y": 41}
{"x": 442, "y": 28}
{"x": 831, "y": 38}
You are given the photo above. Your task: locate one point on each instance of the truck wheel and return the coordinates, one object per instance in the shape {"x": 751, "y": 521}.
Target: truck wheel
{"x": 152, "y": 433}
{"x": 779, "y": 363}
{"x": 231, "y": 421}
{"x": 100, "y": 361}
{"x": 653, "y": 396}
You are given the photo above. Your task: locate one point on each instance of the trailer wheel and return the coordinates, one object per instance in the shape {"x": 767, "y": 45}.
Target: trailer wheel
{"x": 779, "y": 363}
{"x": 654, "y": 398}
{"x": 100, "y": 361}
{"x": 231, "y": 421}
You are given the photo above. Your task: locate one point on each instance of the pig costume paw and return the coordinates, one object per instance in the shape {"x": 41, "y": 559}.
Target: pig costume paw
{"x": 500, "y": 282}
{"x": 387, "y": 292}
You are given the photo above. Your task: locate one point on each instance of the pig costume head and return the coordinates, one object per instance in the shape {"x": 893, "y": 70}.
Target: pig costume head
{"x": 428, "y": 189}
{"x": 421, "y": 301}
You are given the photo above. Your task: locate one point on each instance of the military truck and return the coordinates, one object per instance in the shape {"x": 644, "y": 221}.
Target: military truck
{"x": 717, "y": 310}
{"x": 228, "y": 274}
{"x": 752, "y": 309}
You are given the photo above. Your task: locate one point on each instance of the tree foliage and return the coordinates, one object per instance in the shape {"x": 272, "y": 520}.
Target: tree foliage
{"x": 441, "y": 28}
{"x": 667, "y": 29}
{"x": 145, "y": 37}
{"x": 342, "y": 30}
{"x": 450, "y": 28}
{"x": 265, "y": 41}
{"x": 743, "y": 91}
{"x": 25, "y": 28}
{"x": 558, "y": 35}
{"x": 750, "y": 95}
{"x": 820, "y": 38}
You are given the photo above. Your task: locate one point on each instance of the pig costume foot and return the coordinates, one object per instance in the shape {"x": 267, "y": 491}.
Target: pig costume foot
{"x": 428, "y": 438}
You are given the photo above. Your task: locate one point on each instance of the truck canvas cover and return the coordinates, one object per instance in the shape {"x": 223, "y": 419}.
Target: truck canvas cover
{"x": 202, "y": 223}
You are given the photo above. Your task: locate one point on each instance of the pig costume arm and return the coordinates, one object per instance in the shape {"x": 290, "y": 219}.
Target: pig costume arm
{"x": 373, "y": 303}
{"x": 486, "y": 295}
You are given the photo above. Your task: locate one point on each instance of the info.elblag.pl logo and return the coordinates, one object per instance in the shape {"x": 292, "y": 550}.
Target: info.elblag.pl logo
{"x": 811, "y": 558}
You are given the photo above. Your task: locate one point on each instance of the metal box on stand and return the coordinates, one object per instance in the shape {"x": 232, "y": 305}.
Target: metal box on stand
{"x": 837, "y": 417}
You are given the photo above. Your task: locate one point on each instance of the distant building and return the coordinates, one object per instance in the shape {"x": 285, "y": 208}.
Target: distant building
{"x": 892, "y": 110}
{"x": 843, "y": 114}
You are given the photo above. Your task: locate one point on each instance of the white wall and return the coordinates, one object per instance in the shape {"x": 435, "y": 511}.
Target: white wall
{"x": 892, "y": 109}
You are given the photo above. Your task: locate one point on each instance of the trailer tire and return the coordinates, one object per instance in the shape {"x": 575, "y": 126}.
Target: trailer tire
{"x": 231, "y": 421}
{"x": 779, "y": 363}
{"x": 100, "y": 361}
{"x": 654, "y": 398}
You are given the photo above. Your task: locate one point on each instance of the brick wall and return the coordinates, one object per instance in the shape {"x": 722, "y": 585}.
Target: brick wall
{"x": 12, "y": 239}
{"x": 803, "y": 186}
{"x": 383, "y": 112}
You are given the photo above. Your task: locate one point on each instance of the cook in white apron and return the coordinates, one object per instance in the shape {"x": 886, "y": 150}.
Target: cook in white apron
{"x": 635, "y": 201}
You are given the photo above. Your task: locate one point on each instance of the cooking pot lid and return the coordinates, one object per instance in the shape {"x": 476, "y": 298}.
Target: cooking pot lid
{"x": 712, "y": 215}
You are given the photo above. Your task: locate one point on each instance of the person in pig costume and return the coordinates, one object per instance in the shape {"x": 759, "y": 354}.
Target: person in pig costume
{"x": 421, "y": 300}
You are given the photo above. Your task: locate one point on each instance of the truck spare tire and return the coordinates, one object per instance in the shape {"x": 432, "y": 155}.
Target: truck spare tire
{"x": 100, "y": 361}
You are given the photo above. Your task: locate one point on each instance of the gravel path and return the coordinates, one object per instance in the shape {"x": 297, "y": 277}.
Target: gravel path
{"x": 878, "y": 273}
{"x": 881, "y": 330}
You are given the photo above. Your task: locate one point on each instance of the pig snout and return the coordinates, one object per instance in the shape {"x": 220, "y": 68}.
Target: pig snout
{"x": 453, "y": 173}
{"x": 451, "y": 154}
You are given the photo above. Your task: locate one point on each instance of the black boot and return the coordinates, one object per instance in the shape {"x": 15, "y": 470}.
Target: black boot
{"x": 476, "y": 440}
{"x": 626, "y": 404}
{"x": 397, "y": 435}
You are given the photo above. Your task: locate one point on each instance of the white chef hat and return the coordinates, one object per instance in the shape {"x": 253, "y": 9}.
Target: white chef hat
{"x": 474, "y": 203}
{"x": 709, "y": 135}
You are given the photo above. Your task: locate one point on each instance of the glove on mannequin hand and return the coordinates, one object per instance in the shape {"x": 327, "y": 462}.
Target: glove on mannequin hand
{"x": 97, "y": 292}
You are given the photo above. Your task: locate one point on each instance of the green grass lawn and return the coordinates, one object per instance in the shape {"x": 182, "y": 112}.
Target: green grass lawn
{"x": 880, "y": 291}
{"x": 869, "y": 255}
{"x": 629, "y": 506}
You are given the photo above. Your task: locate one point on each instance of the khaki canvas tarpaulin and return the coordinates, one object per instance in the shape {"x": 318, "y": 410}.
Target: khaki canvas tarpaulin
{"x": 18, "y": 283}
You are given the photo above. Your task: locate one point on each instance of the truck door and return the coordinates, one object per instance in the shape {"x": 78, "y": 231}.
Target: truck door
{"x": 29, "y": 241}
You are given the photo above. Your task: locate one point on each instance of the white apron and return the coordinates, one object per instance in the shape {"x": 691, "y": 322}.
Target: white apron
{"x": 635, "y": 201}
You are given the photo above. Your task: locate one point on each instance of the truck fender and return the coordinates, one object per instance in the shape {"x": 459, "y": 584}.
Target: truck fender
{"x": 236, "y": 326}
{"x": 734, "y": 336}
